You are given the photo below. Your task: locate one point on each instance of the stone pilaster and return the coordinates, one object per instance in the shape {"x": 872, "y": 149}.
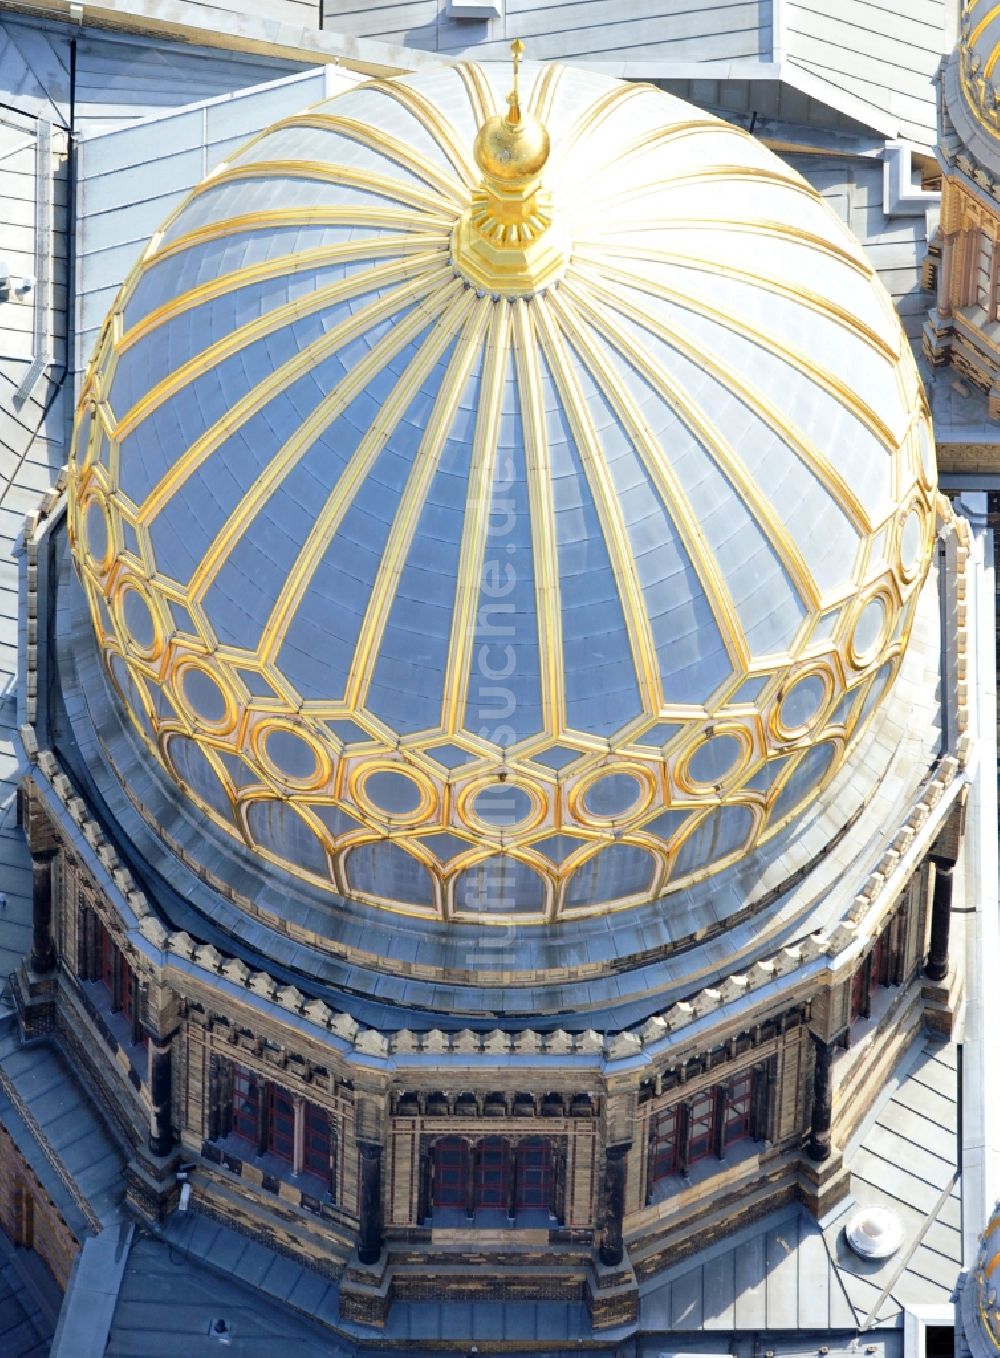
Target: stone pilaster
{"x": 160, "y": 1051}
{"x": 43, "y": 953}
{"x": 822, "y": 1109}
{"x": 370, "y": 1201}
{"x": 612, "y": 1244}
{"x": 937, "y": 960}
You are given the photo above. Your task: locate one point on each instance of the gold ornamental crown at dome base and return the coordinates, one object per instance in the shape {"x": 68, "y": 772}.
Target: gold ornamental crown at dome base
{"x": 508, "y": 242}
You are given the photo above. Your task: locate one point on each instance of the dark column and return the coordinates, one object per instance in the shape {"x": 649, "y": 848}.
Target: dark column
{"x": 557, "y": 1205}
{"x": 612, "y": 1246}
{"x": 683, "y": 1131}
{"x": 512, "y": 1182}
{"x": 937, "y": 960}
{"x": 426, "y": 1204}
{"x": 720, "y": 1121}
{"x": 471, "y": 1157}
{"x": 43, "y": 954}
{"x": 370, "y": 1201}
{"x": 116, "y": 979}
{"x": 265, "y": 1093}
{"x": 137, "y": 1009}
{"x": 217, "y": 1122}
{"x": 866, "y": 986}
{"x": 161, "y": 1139}
{"x": 819, "y": 1138}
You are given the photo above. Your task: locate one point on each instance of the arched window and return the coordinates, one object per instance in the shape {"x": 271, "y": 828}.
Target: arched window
{"x": 701, "y": 1126}
{"x": 664, "y": 1149}
{"x": 280, "y": 1123}
{"x": 493, "y": 1172}
{"x": 271, "y": 1121}
{"x": 451, "y": 1169}
{"x": 533, "y": 1191}
{"x": 246, "y": 1104}
{"x": 738, "y": 1109}
{"x": 317, "y": 1148}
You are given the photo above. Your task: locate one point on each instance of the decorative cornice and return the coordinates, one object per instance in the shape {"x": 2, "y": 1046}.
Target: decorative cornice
{"x": 840, "y": 942}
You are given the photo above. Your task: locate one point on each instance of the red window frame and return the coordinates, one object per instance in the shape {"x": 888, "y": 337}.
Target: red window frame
{"x": 701, "y": 1126}
{"x": 451, "y": 1168}
{"x": 281, "y": 1124}
{"x": 739, "y": 1108}
{"x": 246, "y": 1103}
{"x": 664, "y": 1157}
{"x": 492, "y": 1183}
{"x": 533, "y": 1190}
{"x": 316, "y": 1142}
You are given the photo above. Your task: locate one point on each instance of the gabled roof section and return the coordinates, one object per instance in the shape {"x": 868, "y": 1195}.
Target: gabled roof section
{"x": 119, "y": 78}
{"x": 131, "y": 177}
{"x": 582, "y": 31}
{"x": 880, "y": 55}
{"x": 863, "y": 59}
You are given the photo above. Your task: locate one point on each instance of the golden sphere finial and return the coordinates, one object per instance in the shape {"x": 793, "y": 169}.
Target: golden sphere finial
{"x": 508, "y": 241}
{"x": 513, "y": 148}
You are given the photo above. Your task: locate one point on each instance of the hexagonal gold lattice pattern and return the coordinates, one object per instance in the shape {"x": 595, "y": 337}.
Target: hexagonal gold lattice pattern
{"x": 714, "y": 450}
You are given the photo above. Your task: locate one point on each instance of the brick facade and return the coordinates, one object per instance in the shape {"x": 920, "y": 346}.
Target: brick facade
{"x": 748, "y": 1077}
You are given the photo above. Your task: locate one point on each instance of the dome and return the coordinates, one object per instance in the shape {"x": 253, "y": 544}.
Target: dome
{"x": 979, "y": 55}
{"x": 980, "y": 1293}
{"x": 485, "y": 586}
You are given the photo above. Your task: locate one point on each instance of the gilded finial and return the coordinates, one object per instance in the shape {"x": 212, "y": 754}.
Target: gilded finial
{"x": 505, "y": 241}
{"x": 514, "y": 98}
{"x": 513, "y": 148}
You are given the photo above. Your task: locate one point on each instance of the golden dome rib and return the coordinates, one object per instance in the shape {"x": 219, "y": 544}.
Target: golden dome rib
{"x": 414, "y": 496}
{"x": 541, "y": 99}
{"x": 821, "y": 466}
{"x": 592, "y": 116}
{"x": 267, "y": 324}
{"x": 656, "y": 138}
{"x": 675, "y": 503}
{"x": 545, "y": 559}
{"x": 480, "y": 92}
{"x": 598, "y": 231}
{"x": 757, "y": 335}
{"x": 601, "y": 229}
{"x": 357, "y": 285}
{"x": 983, "y": 25}
{"x": 710, "y": 438}
{"x": 822, "y": 306}
{"x": 376, "y": 140}
{"x": 433, "y": 121}
{"x": 328, "y": 172}
{"x": 449, "y": 309}
{"x": 392, "y": 218}
{"x": 684, "y": 179}
{"x": 606, "y": 503}
{"x": 417, "y": 290}
{"x": 475, "y": 526}
{"x": 978, "y": 32}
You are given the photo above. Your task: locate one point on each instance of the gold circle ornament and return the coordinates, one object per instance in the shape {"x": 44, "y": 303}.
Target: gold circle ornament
{"x": 520, "y": 450}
